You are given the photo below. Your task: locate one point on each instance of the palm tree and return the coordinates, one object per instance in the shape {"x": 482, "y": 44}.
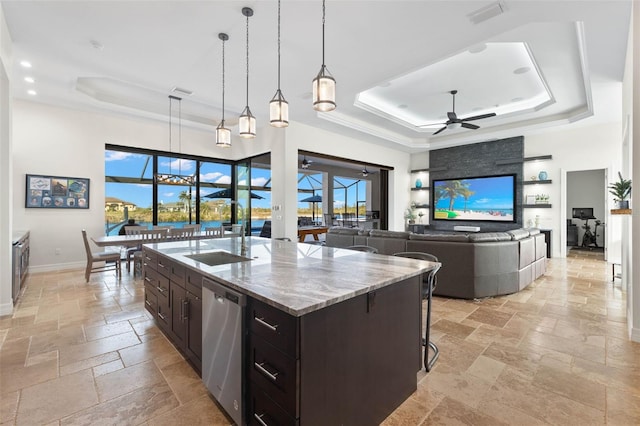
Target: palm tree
{"x": 466, "y": 194}
{"x": 185, "y": 197}
{"x": 438, "y": 194}
{"x": 452, "y": 191}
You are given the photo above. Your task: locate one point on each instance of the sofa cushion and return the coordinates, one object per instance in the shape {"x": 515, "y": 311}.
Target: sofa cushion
{"x": 489, "y": 237}
{"x": 343, "y": 231}
{"x": 533, "y": 231}
{"x": 518, "y": 234}
{"x": 463, "y": 238}
{"x": 389, "y": 234}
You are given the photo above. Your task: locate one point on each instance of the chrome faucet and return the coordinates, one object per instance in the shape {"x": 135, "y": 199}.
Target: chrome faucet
{"x": 243, "y": 243}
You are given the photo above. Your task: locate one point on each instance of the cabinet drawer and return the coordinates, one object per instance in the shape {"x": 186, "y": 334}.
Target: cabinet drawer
{"x": 151, "y": 299}
{"x": 149, "y": 260}
{"x": 193, "y": 282}
{"x": 275, "y": 326}
{"x": 273, "y": 371}
{"x": 151, "y": 277}
{"x": 162, "y": 290}
{"x": 176, "y": 273}
{"x": 264, "y": 411}
{"x": 164, "y": 265}
{"x": 164, "y": 315}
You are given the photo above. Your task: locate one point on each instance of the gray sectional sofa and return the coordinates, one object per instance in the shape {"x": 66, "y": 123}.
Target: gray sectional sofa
{"x": 473, "y": 265}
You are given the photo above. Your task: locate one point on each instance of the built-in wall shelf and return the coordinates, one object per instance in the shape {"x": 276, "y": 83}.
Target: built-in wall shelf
{"x": 536, "y": 206}
{"x": 508, "y": 161}
{"x": 422, "y": 206}
{"x": 423, "y": 188}
{"x": 538, "y": 158}
{"x": 537, "y": 182}
{"x": 430, "y": 169}
{"x": 621, "y": 211}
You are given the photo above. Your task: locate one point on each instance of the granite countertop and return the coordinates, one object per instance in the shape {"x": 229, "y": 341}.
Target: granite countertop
{"x": 295, "y": 277}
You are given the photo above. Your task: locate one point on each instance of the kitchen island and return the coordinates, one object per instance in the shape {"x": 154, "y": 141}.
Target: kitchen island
{"x": 330, "y": 336}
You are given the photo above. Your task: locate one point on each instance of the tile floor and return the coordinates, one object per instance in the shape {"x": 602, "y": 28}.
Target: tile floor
{"x": 77, "y": 353}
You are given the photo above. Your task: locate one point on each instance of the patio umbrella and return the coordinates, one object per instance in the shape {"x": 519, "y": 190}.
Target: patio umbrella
{"x": 313, "y": 199}
{"x": 226, "y": 193}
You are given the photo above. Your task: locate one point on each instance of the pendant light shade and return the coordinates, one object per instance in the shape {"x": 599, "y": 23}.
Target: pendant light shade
{"x": 173, "y": 178}
{"x": 223, "y": 135}
{"x": 324, "y": 85}
{"x": 247, "y": 122}
{"x": 279, "y": 107}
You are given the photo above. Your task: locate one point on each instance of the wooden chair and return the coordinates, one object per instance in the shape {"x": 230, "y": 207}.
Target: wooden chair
{"x": 235, "y": 229}
{"x": 102, "y": 257}
{"x": 214, "y": 231}
{"x": 196, "y": 227}
{"x": 429, "y": 282}
{"x": 148, "y": 236}
{"x": 132, "y": 230}
{"x": 180, "y": 233}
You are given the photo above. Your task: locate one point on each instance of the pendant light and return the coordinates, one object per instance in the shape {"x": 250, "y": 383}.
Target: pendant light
{"x": 171, "y": 178}
{"x": 247, "y": 122}
{"x": 223, "y": 135}
{"x": 279, "y": 107}
{"x": 324, "y": 85}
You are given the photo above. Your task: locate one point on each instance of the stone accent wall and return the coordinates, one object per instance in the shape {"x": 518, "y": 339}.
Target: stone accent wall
{"x": 499, "y": 157}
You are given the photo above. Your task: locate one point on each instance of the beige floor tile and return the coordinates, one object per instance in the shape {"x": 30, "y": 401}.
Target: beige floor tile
{"x": 8, "y": 407}
{"x": 622, "y": 408}
{"x": 106, "y": 368}
{"x": 148, "y": 350}
{"x": 486, "y": 368}
{"x": 184, "y": 381}
{"x": 87, "y": 363}
{"x": 56, "y": 398}
{"x": 452, "y": 328}
{"x": 489, "y": 316}
{"x": 462, "y": 387}
{"x": 101, "y": 331}
{"x": 452, "y": 412}
{"x": 133, "y": 408}
{"x": 74, "y": 353}
{"x": 571, "y": 386}
{"x": 202, "y": 411}
{"x": 128, "y": 379}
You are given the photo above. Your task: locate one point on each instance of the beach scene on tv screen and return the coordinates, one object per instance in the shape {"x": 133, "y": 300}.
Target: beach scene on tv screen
{"x": 487, "y": 198}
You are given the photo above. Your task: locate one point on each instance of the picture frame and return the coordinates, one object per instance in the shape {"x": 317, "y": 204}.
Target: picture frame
{"x": 530, "y": 199}
{"x": 56, "y": 192}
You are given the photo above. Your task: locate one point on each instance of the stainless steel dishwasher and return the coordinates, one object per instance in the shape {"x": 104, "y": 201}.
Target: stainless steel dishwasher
{"x": 222, "y": 346}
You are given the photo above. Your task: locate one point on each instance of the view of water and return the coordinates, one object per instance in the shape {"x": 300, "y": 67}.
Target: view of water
{"x": 256, "y": 225}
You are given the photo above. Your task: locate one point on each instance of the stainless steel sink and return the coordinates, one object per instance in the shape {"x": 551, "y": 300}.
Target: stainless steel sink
{"x": 217, "y": 258}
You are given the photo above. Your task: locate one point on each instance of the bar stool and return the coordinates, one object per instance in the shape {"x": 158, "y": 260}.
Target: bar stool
{"x": 428, "y": 284}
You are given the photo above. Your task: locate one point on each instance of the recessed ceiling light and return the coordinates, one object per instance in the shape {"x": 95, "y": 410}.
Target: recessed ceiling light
{"x": 521, "y": 70}
{"x": 403, "y": 106}
{"x": 32, "y": 92}
{"x": 25, "y": 64}
{"x": 96, "y": 44}
{"x": 29, "y": 80}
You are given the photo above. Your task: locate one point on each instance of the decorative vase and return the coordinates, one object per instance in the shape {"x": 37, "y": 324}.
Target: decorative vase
{"x": 418, "y": 183}
{"x": 542, "y": 175}
{"x": 624, "y": 204}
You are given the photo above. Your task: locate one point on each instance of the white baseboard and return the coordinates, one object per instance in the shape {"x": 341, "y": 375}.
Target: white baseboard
{"x": 6, "y": 309}
{"x": 55, "y": 267}
{"x": 635, "y": 334}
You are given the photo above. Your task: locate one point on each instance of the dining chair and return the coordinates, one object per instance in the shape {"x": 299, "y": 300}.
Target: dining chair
{"x": 180, "y": 233}
{"x": 132, "y": 230}
{"x": 161, "y": 228}
{"x": 329, "y": 220}
{"x": 214, "y": 231}
{"x": 148, "y": 236}
{"x": 104, "y": 258}
{"x": 235, "y": 229}
{"x": 360, "y": 247}
{"x": 429, "y": 282}
{"x": 196, "y": 227}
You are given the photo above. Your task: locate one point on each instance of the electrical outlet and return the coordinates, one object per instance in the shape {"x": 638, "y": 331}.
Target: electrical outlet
{"x": 58, "y": 251}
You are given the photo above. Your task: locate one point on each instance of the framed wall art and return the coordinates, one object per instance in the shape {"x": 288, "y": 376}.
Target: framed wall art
{"x": 56, "y": 192}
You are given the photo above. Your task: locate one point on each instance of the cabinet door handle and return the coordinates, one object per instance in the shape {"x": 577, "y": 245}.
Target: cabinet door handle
{"x": 162, "y": 316}
{"x": 160, "y": 289}
{"x": 187, "y": 309}
{"x": 147, "y": 302}
{"x": 260, "y": 367}
{"x": 184, "y": 306}
{"x": 261, "y": 321}
{"x": 160, "y": 265}
{"x": 147, "y": 279}
{"x": 259, "y": 417}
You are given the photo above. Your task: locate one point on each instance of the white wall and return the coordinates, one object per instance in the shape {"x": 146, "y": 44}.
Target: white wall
{"x": 587, "y": 189}
{"x": 63, "y": 142}
{"x": 6, "y": 212}
{"x": 575, "y": 148}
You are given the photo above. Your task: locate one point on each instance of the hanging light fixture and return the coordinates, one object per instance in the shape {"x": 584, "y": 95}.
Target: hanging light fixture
{"x": 247, "y": 122}
{"x": 324, "y": 85}
{"x": 279, "y": 107}
{"x": 171, "y": 178}
{"x": 223, "y": 135}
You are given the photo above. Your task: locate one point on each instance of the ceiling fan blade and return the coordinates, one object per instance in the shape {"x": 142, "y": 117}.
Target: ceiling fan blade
{"x": 440, "y": 130}
{"x": 480, "y": 117}
{"x": 469, "y": 126}
{"x": 452, "y": 116}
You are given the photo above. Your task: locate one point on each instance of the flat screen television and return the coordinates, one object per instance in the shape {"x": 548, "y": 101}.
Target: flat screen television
{"x": 485, "y": 198}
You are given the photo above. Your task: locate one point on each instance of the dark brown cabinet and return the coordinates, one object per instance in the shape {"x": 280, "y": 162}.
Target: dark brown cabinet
{"x": 173, "y": 295}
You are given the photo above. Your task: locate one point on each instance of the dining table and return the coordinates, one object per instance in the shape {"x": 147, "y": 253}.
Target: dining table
{"x": 134, "y": 240}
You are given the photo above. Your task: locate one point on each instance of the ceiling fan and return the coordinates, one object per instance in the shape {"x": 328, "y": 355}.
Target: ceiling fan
{"x": 305, "y": 163}
{"x": 455, "y": 122}
{"x": 366, "y": 172}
